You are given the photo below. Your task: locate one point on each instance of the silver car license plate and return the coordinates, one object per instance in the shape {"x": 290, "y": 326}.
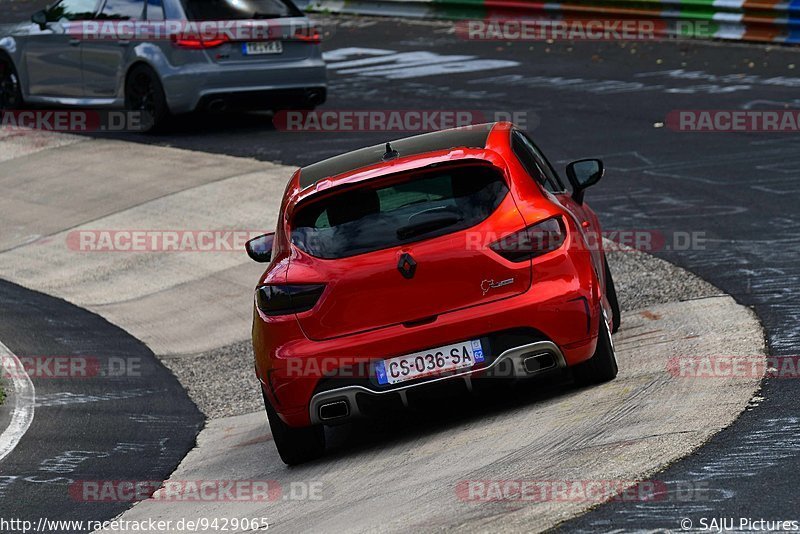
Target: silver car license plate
{"x": 259, "y": 48}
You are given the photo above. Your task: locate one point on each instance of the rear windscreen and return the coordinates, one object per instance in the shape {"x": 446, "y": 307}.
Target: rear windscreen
{"x": 369, "y": 218}
{"x": 239, "y": 9}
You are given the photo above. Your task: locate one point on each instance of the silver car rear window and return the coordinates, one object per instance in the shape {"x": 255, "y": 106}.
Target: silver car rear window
{"x": 239, "y": 9}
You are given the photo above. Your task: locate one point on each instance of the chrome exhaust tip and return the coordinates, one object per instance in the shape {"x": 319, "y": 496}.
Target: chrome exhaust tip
{"x": 533, "y": 363}
{"x": 334, "y": 410}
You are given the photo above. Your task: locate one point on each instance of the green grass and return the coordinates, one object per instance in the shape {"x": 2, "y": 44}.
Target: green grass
{"x": 2, "y": 395}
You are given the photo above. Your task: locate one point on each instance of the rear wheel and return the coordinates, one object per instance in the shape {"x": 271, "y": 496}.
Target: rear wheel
{"x": 295, "y": 445}
{"x": 144, "y": 94}
{"x": 10, "y": 88}
{"x": 611, "y": 294}
{"x": 602, "y": 366}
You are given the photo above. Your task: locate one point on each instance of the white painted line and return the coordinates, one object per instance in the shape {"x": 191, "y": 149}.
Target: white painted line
{"x": 24, "y": 396}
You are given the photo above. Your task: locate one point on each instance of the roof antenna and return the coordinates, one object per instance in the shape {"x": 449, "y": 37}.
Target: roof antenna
{"x": 390, "y": 153}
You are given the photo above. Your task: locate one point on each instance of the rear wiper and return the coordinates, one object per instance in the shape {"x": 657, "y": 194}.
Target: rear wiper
{"x": 428, "y": 222}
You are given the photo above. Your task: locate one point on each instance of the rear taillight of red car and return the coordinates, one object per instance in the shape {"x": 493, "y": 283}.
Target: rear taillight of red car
{"x": 533, "y": 241}
{"x": 287, "y": 299}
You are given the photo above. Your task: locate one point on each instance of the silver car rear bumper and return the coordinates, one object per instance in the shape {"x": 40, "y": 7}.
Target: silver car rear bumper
{"x": 188, "y": 88}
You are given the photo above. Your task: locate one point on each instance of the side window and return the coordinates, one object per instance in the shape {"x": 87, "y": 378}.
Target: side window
{"x": 524, "y": 150}
{"x": 155, "y": 10}
{"x": 72, "y": 10}
{"x": 551, "y": 174}
{"x": 123, "y": 10}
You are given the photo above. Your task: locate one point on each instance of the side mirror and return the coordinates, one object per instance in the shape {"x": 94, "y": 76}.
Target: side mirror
{"x": 582, "y": 174}
{"x": 260, "y": 248}
{"x": 40, "y": 18}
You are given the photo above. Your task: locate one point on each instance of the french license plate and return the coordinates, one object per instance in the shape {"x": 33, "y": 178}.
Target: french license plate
{"x": 429, "y": 362}
{"x": 262, "y": 47}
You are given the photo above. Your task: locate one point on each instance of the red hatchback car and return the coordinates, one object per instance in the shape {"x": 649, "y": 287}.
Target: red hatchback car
{"x": 443, "y": 259}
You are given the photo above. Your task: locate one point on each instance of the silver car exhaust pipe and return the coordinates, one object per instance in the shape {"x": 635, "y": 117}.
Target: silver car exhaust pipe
{"x": 217, "y": 104}
{"x": 315, "y": 97}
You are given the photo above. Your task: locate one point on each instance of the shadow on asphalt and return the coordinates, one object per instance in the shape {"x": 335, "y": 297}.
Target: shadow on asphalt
{"x": 444, "y": 411}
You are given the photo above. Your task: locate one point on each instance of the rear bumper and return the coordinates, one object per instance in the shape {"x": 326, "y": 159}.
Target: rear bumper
{"x": 294, "y": 370}
{"x": 525, "y": 361}
{"x": 246, "y": 85}
{"x": 295, "y": 98}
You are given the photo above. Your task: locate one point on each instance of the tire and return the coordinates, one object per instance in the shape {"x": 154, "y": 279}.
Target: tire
{"x": 295, "y": 445}
{"x": 611, "y": 294}
{"x": 145, "y": 94}
{"x": 602, "y": 366}
{"x": 10, "y": 88}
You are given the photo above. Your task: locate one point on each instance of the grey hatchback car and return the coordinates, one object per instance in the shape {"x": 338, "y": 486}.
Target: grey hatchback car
{"x": 52, "y": 60}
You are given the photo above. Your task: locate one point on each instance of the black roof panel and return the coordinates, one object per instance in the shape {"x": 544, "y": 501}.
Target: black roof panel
{"x": 470, "y": 136}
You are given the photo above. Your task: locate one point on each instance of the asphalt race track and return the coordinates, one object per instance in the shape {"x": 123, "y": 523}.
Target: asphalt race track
{"x": 737, "y": 193}
{"x": 125, "y": 416}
